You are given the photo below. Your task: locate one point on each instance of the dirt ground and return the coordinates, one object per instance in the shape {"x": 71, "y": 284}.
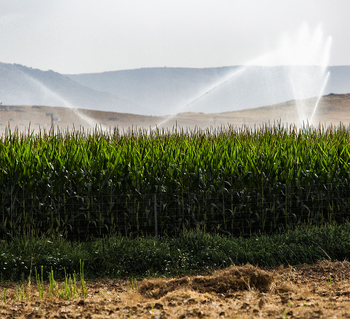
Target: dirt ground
{"x": 305, "y": 291}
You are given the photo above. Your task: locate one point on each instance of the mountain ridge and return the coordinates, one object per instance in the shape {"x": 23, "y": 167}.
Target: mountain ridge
{"x": 184, "y": 89}
{"x": 25, "y": 86}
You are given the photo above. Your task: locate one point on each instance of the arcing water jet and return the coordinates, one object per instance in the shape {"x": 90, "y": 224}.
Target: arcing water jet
{"x": 302, "y": 73}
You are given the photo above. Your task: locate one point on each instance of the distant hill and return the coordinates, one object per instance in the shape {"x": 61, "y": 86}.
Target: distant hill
{"x": 175, "y": 90}
{"x": 164, "y": 91}
{"x": 332, "y": 109}
{"x": 20, "y": 85}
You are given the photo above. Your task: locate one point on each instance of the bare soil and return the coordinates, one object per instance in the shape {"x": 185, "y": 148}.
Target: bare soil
{"x": 305, "y": 291}
{"x": 332, "y": 109}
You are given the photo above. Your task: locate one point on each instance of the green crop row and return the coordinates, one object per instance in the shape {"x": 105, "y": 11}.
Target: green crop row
{"x": 238, "y": 181}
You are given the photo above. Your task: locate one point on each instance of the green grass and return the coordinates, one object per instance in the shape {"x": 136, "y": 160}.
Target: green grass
{"x": 191, "y": 252}
{"x": 67, "y": 290}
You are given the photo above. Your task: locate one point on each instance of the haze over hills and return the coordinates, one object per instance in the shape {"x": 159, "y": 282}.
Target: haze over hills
{"x": 20, "y": 85}
{"x": 213, "y": 90}
{"x": 164, "y": 91}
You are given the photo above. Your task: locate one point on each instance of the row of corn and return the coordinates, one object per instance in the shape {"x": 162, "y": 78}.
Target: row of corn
{"x": 237, "y": 181}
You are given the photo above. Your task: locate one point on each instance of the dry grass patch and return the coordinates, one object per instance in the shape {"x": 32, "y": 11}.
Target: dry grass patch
{"x": 229, "y": 280}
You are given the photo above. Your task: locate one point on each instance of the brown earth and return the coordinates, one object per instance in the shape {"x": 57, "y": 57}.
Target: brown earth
{"x": 316, "y": 291}
{"x": 332, "y": 109}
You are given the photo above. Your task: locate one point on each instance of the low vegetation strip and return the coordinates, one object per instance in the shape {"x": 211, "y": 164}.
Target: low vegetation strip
{"x": 192, "y": 252}
{"x": 235, "y": 181}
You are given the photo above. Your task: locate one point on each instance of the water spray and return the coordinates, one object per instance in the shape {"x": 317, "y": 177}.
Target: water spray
{"x": 298, "y": 55}
{"x": 320, "y": 96}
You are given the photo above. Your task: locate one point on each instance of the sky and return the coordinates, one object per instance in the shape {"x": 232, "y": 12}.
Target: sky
{"x": 87, "y": 36}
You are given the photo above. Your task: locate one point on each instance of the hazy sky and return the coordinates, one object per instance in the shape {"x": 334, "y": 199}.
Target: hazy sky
{"x": 81, "y": 36}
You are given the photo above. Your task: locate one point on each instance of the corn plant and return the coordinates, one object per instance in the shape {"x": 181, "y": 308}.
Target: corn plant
{"x": 234, "y": 181}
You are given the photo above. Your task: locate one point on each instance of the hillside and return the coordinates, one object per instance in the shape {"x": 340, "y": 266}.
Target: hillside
{"x": 20, "y": 85}
{"x": 207, "y": 97}
{"x": 332, "y": 109}
{"x": 173, "y": 90}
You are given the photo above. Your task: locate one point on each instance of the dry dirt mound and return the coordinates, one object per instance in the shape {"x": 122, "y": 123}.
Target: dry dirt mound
{"x": 224, "y": 281}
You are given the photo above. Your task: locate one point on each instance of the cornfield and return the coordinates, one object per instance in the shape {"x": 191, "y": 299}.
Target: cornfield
{"x": 238, "y": 181}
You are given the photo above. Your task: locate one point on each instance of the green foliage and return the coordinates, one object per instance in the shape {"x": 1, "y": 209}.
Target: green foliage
{"x": 190, "y": 252}
{"x": 68, "y": 291}
{"x": 236, "y": 181}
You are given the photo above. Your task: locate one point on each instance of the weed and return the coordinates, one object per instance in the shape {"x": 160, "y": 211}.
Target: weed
{"x": 40, "y": 282}
{"x": 82, "y": 280}
{"x": 304, "y": 304}
{"x": 133, "y": 283}
{"x": 68, "y": 291}
{"x": 20, "y": 293}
